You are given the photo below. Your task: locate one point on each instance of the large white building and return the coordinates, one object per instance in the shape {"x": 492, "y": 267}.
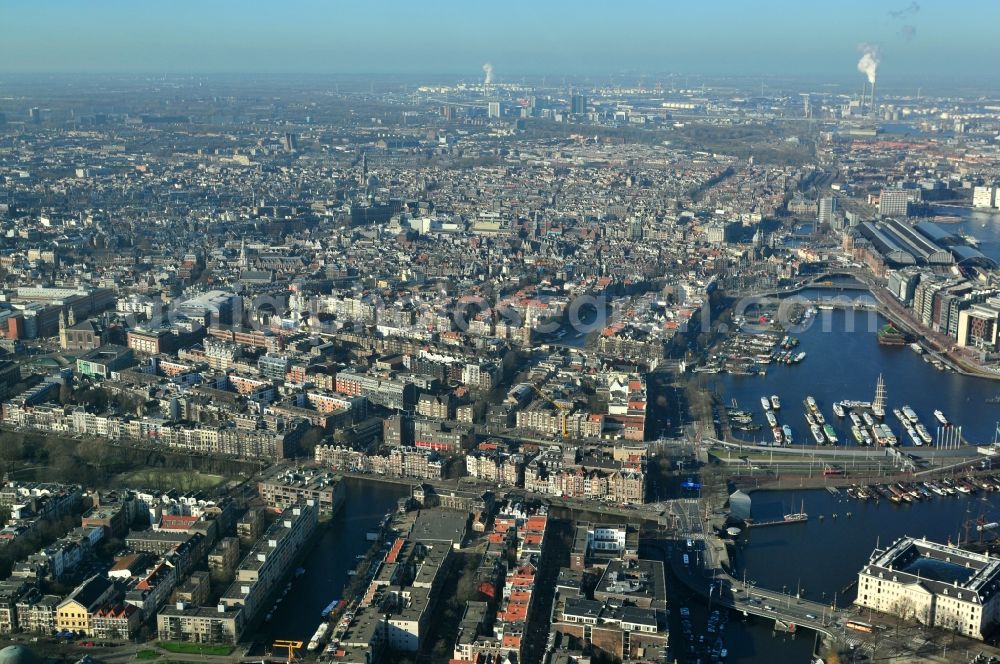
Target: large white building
{"x": 935, "y": 584}
{"x": 983, "y": 197}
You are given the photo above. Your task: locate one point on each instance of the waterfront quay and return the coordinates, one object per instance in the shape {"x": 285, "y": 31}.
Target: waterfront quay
{"x": 700, "y": 559}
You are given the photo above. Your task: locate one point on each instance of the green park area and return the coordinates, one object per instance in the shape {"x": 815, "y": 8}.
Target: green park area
{"x": 194, "y": 648}
{"x": 162, "y": 478}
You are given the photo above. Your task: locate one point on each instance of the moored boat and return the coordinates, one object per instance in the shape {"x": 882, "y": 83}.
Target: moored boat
{"x": 775, "y": 402}
{"x": 765, "y": 403}
{"x": 830, "y": 433}
{"x": 838, "y": 409}
{"x": 817, "y": 433}
{"x": 924, "y": 434}
{"x": 941, "y": 418}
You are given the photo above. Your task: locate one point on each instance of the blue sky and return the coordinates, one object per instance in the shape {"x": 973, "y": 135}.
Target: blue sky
{"x": 780, "y": 37}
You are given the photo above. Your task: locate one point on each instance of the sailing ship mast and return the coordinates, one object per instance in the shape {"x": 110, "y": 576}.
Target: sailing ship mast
{"x": 878, "y": 405}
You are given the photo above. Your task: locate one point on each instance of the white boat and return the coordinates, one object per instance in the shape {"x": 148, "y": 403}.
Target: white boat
{"x": 811, "y": 402}
{"x": 866, "y": 437}
{"x": 914, "y": 436}
{"x": 318, "y": 636}
{"x": 817, "y": 433}
{"x": 916, "y": 348}
{"x": 899, "y": 415}
{"x": 838, "y": 410}
{"x": 811, "y": 419}
{"x": 765, "y": 403}
{"x": 819, "y": 418}
{"x": 924, "y": 433}
{"x": 855, "y": 419}
{"x": 775, "y": 402}
{"x": 869, "y": 420}
{"x": 941, "y": 418}
{"x": 771, "y": 419}
{"x": 910, "y": 414}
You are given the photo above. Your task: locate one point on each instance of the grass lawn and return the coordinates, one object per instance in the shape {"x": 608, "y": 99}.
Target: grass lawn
{"x": 147, "y": 654}
{"x": 194, "y": 648}
{"x": 161, "y": 478}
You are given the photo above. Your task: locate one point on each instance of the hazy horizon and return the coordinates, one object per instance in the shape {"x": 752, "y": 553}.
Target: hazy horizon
{"x": 776, "y": 38}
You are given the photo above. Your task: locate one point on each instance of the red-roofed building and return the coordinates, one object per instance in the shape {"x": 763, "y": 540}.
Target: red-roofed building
{"x": 115, "y": 623}
{"x": 176, "y": 522}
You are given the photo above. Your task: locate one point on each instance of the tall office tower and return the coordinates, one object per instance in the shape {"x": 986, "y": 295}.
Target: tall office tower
{"x": 35, "y": 115}
{"x": 291, "y": 142}
{"x": 827, "y": 210}
{"x": 494, "y": 109}
{"x": 578, "y": 104}
{"x": 894, "y": 203}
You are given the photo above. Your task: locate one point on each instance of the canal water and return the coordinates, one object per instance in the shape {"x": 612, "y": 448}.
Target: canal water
{"x": 843, "y": 362}
{"x": 332, "y": 556}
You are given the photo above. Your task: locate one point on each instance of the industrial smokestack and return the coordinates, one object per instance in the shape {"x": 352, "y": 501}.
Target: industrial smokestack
{"x": 873, "y": 110}
{"x": 488, "y": 70}
{"x": 868, "y": 65}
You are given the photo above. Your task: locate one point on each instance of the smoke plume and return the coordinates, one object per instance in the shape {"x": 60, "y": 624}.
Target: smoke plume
{"x": 488, "y": 70}
{"x": 868, "y": 64}
{"x": 908, "y": 10}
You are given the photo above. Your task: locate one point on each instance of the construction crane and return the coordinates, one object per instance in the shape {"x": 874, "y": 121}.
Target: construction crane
{"x": 292, "y": 646}
{"x": 563, "y": 411}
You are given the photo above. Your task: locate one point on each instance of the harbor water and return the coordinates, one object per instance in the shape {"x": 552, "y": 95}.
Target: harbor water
{"x": 823, "y": 555}
{"x": 843, "y": 362}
